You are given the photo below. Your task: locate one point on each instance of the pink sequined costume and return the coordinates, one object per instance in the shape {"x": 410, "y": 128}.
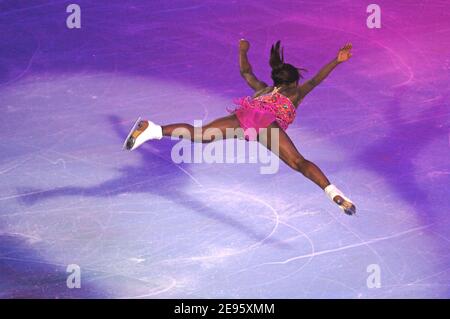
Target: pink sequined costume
{"x": 257, "y": 113}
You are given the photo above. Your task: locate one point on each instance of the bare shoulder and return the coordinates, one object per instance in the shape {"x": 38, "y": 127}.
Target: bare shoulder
{"x": 294, "y": 95}
{"x": 263, "y": 91}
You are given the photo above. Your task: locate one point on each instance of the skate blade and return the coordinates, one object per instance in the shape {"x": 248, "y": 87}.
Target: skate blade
{"x": 350, "y": 211}
{"x": 135, "y": 125}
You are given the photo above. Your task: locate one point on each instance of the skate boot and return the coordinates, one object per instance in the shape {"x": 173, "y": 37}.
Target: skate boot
{"x": 339, "y": 198}
{"x": 141, "y": 132}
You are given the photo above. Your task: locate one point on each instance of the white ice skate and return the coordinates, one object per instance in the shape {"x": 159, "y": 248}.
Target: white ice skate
{"x": 346, "y": 204}
{"x": 141, "y": 132}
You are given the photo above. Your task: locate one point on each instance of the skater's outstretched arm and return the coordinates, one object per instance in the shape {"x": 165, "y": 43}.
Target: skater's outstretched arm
{"x": 343, "y": 55}
{"x": 246, "y": 68}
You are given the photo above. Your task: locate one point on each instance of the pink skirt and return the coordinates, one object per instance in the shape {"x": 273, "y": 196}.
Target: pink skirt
{"x": 254, "y": 114}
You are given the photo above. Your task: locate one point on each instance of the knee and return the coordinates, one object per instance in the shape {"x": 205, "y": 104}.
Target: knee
{"x": 299, "y": 164}
{"x": 201, "y": 135}
{"x": 200, "y": 138}
{"x": 209, "y": 134}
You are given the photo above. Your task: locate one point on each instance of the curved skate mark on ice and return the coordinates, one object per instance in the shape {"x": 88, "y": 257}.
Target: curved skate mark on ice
{"x": 6, "y": 170}
{"x": 311, "y": 257}
{"x": 362, "y": 241}
{"x": 28, "y": 8}
{"x": 416, "y": 282}
{"x": 25, "y": 194}
{"x": 416, "y": 48}
{"x": 328, "y": 251}
{"x": 68, "y": 155}
{"x": 399, "y": 58}
{"x": 30, "y": 238}
{"x": 31, "y": 261}
{"x": 193, "y": 7}
{"x": 259, "y": 243}
{"x": 232, "y": 252}
{"x": 196, "y": 181}
{"x": 277, "y": 217}
{"x": 68, "y": 210}
{"x": 59, "y": 160}
{"x": 155, "y": 292}
{"x": 343, "y": 285}
{"x": 137, "y": 260}
{"x": 392, "y": 52}
{"x": 30, "y": 62}
{"x": 189, "y": 174}
{"x": 433, "y": 99}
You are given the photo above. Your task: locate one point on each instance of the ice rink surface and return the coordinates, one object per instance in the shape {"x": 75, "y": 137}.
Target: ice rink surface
{"x": 141, "y": 226}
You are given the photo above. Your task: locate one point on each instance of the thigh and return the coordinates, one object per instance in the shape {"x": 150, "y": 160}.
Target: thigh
{"x": 223, "y": 123}
{"x": 286, "y": 149}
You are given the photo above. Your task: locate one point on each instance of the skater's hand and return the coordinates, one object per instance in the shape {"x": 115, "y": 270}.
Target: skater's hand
{"x": 244, "y": 45}
{"x": 344, "y": 53}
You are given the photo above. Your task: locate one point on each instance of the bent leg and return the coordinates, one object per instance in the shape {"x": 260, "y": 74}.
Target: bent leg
{"x": 210, "y": 132}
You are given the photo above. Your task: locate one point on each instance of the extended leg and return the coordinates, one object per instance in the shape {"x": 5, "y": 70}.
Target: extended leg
{"x": 210, "y": 132}
{"x": 144, "y": 130}
{"x": 289, "y": 154}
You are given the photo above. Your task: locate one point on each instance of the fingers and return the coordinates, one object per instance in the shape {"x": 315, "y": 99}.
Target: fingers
{"x": 347, "y": 46}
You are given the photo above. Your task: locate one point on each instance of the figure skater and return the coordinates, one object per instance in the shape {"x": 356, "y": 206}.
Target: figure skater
{"x": 271, "y": 107}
